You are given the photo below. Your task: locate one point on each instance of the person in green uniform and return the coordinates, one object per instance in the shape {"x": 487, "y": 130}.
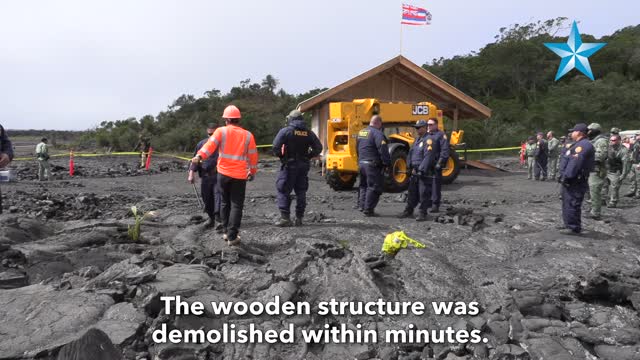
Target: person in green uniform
{"x": 599, "y": 172}
{"x": 615, "y": 163}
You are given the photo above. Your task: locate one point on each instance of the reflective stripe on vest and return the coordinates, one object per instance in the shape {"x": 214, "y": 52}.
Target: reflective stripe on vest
{"x": 243, "y": 157}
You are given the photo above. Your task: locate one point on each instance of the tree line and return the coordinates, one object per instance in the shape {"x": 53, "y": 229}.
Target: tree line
{"x": 183, "y": 124}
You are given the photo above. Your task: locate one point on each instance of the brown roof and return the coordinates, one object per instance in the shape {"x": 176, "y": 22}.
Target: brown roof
{"x": 443, "y": 94}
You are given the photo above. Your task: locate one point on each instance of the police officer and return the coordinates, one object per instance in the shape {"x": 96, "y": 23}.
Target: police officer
{"x": 529, "y": 154}
{"x": 6, "y": 154}
{"x": 436, "y": 154}
{"x": 616, "y": 156}
{"x": 208, "y": 173}
{"x": 567, "y": 143}
{"x": 575, "y": 173}
{"x": 373, "y": 160}
{"x": 541, "y": 155}
{"x": 554, "y": 148}
{"x": 416, "y": 182}
{"x": 295, "y": 145}
{"x": 599, "y": 172}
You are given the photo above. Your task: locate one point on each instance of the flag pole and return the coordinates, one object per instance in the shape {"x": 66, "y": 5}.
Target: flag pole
{"x": 401, "y": 16}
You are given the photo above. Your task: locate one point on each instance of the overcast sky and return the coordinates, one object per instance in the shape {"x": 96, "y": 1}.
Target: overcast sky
{"x": 73, "y": 64}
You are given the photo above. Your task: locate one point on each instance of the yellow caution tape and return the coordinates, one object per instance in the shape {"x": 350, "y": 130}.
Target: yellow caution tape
{"x": 186, "y": 158}
{"x": 496, "y": 149}
{"x": 118, "y": 154}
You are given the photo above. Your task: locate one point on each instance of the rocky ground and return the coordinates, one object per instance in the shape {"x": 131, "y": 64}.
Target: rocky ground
{"x": 68, "y": 265}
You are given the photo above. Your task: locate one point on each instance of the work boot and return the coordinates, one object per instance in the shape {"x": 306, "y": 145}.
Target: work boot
{"x": 210, "y": 223}
{"x": 611, "y": 206}
{"x": 369, "y": 213}
{"x": 594, "y": 217}
{"x": 298, "y": 221}
{"x": 421, "y": 216}
{"x": 631, "y": 194}
{"x": 234, "y": 242}
{"x": 569, "y": 232}
{"x": 405, "y": 214}
{"x": 284, "y": 221}
{"x": 435, "y": 209}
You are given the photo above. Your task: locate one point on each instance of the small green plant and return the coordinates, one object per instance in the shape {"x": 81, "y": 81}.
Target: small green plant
{"x": 134, "y": 230}
{"x": 344, "y": 244}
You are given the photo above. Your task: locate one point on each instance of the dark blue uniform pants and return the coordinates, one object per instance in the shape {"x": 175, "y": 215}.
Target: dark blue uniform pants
{"x": 419, "y": 192}
{"x": 210, "y": 195}
{"x": 540, "y": 169}
{"x": 370, "y": 186}
{"x": 293, "y": 177}
{"x": 436, "y": 187}
{"x": 232, "y": 194}
{"x": 572, "y": 197}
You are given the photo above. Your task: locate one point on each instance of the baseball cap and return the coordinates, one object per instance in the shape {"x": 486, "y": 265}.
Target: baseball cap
{"x": 582, "y": 127}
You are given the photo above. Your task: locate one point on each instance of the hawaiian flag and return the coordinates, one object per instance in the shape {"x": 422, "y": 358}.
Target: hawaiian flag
{"x": 413, "y": 15}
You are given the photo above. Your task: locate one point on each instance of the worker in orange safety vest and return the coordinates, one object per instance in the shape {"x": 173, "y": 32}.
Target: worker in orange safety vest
{"x": 237, "y": 163}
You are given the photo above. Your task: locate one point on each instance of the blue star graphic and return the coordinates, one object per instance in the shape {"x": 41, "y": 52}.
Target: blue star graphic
{"x": 574, "y": 54}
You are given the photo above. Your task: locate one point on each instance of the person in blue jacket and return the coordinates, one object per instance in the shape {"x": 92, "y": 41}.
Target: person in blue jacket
{"x": 208, "y": 173}
{"x": 436, "y": 154}
{"x": 373, "y": 160}
{"x": 295, "y": 145}
{"x": 416, "y": 182}
{"x": 579, "y": 162}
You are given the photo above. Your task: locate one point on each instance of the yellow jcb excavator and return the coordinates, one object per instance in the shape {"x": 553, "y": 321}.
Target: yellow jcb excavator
{"x": 346, "y": 119}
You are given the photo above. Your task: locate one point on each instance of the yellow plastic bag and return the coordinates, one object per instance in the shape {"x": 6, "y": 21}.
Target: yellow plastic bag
{"x": 399, "y": 240}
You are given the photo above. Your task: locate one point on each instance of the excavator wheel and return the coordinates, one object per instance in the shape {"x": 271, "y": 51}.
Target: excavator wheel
{"x": 340, "y": 181}
{"x": 451, "y": 169}
{"x": 397, "y": 180}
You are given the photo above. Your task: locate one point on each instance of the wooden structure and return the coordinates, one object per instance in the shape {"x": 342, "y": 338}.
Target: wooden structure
{"x": 396, "y": 80}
